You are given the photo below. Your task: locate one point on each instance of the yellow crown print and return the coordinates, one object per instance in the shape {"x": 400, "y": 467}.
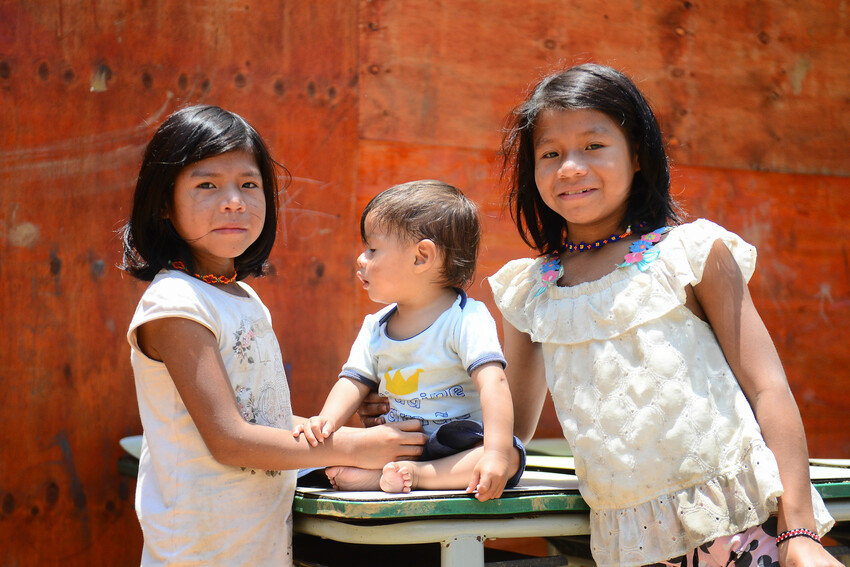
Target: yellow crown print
{"x": 399, "y": 385}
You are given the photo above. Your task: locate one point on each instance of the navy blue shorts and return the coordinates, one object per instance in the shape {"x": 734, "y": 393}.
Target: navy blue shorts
{"x": 458, "y": 436}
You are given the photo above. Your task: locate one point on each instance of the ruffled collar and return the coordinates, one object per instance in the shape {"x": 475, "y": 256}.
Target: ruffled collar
{"x": 642, "y": 252}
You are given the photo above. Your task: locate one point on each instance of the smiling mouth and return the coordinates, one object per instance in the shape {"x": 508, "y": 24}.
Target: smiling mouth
{"x": 576, "y": 192}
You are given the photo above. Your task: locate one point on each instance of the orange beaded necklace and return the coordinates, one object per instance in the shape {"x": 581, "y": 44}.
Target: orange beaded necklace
{"x": 209, "y": 278}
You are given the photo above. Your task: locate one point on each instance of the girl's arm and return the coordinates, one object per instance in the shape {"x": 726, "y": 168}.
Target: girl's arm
{"x": 494, "y": 468}
{"x": 190, "y": 353}
{"x": 343, "y": 400}
{"x": 746, "y": 343}
{"x": 526, "y": 378}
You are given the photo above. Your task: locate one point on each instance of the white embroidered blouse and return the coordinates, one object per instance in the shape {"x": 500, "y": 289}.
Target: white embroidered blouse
{"x": 667, "y": 449}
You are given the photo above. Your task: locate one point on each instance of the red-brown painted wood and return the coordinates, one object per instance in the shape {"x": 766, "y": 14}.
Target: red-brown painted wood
{"x": 354, "y": 96}
{"x": 82, "y": 88}
{"x": 759, "y": 85}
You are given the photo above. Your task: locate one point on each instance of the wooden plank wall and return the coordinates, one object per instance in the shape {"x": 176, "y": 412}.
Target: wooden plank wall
{"x": 354, "y": 97}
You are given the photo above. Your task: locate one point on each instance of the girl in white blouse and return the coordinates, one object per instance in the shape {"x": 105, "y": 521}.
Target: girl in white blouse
{"x": 688, "y": 443}
{"x": 217, "y": 467}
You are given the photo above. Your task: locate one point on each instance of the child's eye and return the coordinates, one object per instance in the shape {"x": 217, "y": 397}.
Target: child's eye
{"x": 549, "y": 155}
{"x": 594, "y": 146}
{"x": 206, "y": 185}
{"x": 250, "y": 185}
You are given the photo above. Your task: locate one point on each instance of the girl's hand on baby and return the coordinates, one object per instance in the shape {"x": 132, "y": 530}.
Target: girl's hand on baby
{"x": 490, "y": 475}
{"x": 315, "y": 430}
{"x": 801, "y": 551}
{"x": 376, "y": 446}
{"x": 372, "y": 409}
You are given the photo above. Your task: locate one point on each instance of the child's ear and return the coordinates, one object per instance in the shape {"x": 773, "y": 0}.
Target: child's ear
{"x": 426, "y": 255}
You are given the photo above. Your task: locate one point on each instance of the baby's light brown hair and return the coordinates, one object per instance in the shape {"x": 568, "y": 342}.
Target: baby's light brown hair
{"x": 434, "y": 210}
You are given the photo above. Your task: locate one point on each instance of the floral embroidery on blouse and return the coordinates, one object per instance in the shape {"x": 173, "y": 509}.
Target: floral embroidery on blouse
{"x": 550, "y": 272}
{"x": 643, "y": 251}
{"x": 242, "y": 347}
{"x": 245, "y": 401}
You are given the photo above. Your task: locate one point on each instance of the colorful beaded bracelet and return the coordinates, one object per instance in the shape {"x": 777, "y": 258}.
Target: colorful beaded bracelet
{"x": 799, "y": 532}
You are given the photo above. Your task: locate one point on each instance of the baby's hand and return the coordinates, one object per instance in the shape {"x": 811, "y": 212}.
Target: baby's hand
{"x": 490, "y": 475}
{"x": 315, "y": 430}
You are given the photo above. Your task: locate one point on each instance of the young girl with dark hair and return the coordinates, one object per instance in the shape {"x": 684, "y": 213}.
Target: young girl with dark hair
{"x": 688, "y": 444}
{"x": 217, "y": 467}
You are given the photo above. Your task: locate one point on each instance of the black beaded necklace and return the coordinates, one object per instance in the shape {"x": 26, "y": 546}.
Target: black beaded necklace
{"x": 583, "y": 246}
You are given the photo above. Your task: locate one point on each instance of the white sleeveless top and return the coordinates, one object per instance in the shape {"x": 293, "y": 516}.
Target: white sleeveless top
{"x": 667, "y": 450}
{"x": 194, "y": 510}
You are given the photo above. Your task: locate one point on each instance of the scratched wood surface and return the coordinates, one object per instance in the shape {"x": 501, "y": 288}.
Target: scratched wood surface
{"x": 354, "y": 96}
{"x": 82, "y": 89}
{"x": 753, "y": 85}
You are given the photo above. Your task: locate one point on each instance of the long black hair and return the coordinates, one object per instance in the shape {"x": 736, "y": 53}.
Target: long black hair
{"x": 590, "y": 87}
{"x": 188, "y": 136}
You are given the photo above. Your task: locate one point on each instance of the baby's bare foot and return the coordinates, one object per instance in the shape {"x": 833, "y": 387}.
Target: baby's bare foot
{"x": 396, "y": 477}
{"x": 352, "y": 478}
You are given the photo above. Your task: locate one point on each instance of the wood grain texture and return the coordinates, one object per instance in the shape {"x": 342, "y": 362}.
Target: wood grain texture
{"x": 802, "y": 278}
{"x": 354, "y": 96}
{"x": 753, "y": 85}
{"x": 82, "y": 89}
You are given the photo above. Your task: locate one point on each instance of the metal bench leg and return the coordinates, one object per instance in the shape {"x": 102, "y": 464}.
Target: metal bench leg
{"x": 462, "y": 551}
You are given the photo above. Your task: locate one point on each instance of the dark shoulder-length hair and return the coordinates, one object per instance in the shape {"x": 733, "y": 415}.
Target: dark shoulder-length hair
{"x": 188, "y": 136}
{"x": 592, "y": 87}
